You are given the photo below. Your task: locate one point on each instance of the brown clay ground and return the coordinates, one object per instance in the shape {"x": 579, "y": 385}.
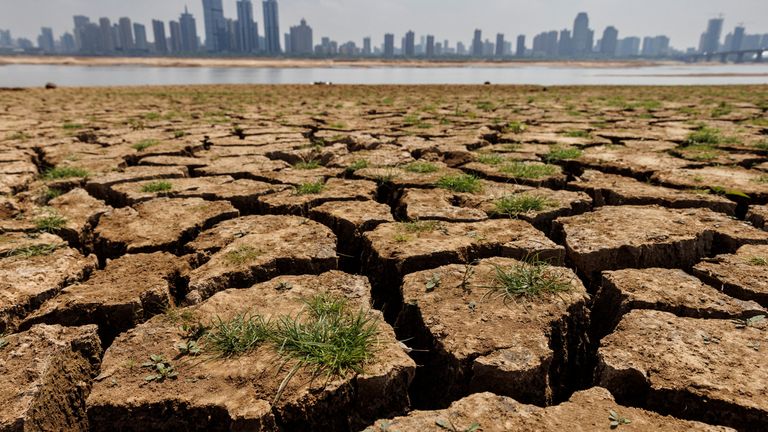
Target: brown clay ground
{"x": 133, "y": 220}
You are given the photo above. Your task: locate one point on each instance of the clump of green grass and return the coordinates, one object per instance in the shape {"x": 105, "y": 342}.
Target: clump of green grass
{"x": 180, "y": 134}
{"x": 51, "y": 193}
{"x": 241, "y": 255}
{"x": 63, "y": 172}
{"x": 161, "y": 369}
{"x": 157, "y": 186}
{"x": 521, "y": 203}
{"x": 357, "y": 165}
{"x": 527, "y": 280}
{"x": 758, "y": 261}
{"x": 529, "y": 170}
{"x": 460, "y": 183}
{"x": 151, "y": 116}
{"x": 145, "y": 144}
{"x": 310, "y": 188}
{"x": 706, "y": 136}
{"x": 72, "y": 126}
{"x": 307, "y": 165}
{"x": 562, "y": 153}
{"x": 485, "y": 106}
{"x": 763, "y": 179}
{"x": 699, "y": 152}
{"x": 490, "y": 159}
{"x": 723, "y": 109}
{"x": 237, "y": 336}
{"x": 32, "y": 251}
{"x": 419, "y": 226}
{"x": 762, "y": 145}
{"x": 421, "y": 167}
{"x": 50, "y": 223}
{"x": 515, "y": 127}
{"x": 578, "y": 134}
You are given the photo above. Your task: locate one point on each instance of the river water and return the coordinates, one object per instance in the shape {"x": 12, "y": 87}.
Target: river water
{"x": 683, "y": 74}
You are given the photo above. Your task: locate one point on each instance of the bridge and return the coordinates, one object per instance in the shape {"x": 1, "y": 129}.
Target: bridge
{"x": 723, "y": 56}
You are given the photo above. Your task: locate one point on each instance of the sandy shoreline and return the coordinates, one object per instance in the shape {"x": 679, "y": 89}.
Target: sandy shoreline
{"x": 304, "y": 63}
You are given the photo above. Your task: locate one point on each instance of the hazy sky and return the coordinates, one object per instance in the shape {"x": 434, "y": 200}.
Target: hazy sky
{"x": 342, "y": 20}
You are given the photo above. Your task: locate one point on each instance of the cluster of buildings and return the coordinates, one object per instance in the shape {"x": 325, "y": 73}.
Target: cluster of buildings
{"x": 241, "y": 37}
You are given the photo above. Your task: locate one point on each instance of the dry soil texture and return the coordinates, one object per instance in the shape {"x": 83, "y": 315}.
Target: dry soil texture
{"x": 344, "y": 258}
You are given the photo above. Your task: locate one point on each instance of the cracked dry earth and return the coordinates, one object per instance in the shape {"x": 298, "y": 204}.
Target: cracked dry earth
{"x": 136, "y": 223}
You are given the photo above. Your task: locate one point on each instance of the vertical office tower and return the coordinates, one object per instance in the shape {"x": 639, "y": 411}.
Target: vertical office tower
{"x": 188, "y": 30}
{"x": 301, "y": 39}
{"x": 710, "y": 40}
{"x": 116, "y": 37}
{"x": 45, "y": 40}
{"x": 389, "y": 45}
{"x": 430, "y": 51}
{"x": 107, "y": 38}
{"x": 140, "y": 35}
{"x": 158, "y": 31}
{"x": 738, "y": 38}
{"x": 520, "y": 51}
{"x": 409, "y": 46}
{"x": 248, "y": 34}
{"x": 126, "y": 34}
{"x": 80, "y": 23}
{"x": 367, "y": 46}
{"x": 477, "y": 44}
{"x": 628, "y": 47}
{"x": 565, "y": 46}
{"x": 215, "y": 25}
{"x": 583, "y": 37}
{"x": 271, "y": 27}
{"x": 175, "y": 29}
{"x": 609, "y": 42}
{"x": 500, "y": 45}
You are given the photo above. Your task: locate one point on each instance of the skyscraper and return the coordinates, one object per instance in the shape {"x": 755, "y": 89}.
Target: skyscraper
{"x": 710, "y": 40}
{"x": 271, "y": 27}
{"x": 188, "y": 30}
{"x": 215, "y": 26}
{"x": 301, "y": 39}
{"x": 45, "y": 40}
{"x": 80, "y": 23}
{"x": 610, "y": 41}
{"x": 126, "y": 34}
{"x": 565, "y": 46}
{"x": 477, "y": 44}
{"x": 140, "y": 35}
{"x": 175, "y": 45}
{"x": 628, "y": 47}
{"x": 158, "y": 30}
{"x": 247, "y": 30}
{"x": 430, "y": 51}
{"x": 583, "y": 37}
{"x": 738, "y": 38}
{"x": 367, "y": 46}
{"x": 389, "y": 45}
{"x": 500, "y": 45}
{"x": 520, "y": 51}
{"x": 107, "y": 38}
{"x": 409, "y": 47}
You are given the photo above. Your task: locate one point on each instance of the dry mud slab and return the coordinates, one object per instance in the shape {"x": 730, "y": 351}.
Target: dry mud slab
{"x": 238, "y": 393}
{"x": 649, "y": 236}
{"x": 708, "y": 369}
{"x": 588, "y": 410}
{"x": 47, "y": 372}
{"x": 743, "y": 274}
{"x": 477, "y": 339}
{"x": 758, "y": 215}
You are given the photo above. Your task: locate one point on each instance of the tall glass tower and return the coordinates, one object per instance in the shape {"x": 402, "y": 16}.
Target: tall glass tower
{"x": 271, "y": 27}
{"x": 215, "y": 26}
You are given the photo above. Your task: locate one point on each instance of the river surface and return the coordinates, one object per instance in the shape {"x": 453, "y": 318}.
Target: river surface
{"x": 683, "y": 74}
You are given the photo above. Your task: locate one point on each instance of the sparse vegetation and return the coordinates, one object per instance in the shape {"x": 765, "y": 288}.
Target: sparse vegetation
{"x": 562, "y": 153}
{"x": 448, "y": 425}
{"x": 3, "y": 342}
{"x": 157, "y": 186}
{"x": 705, "y": 136}
{"x": 50, "y": 194}
{"x": 529, "y": 170}
{"x": 238, "y": 335}
{"x": 490, "y": 159}
{"x": 307, "y": 165}
{"x": 72, "y": 126}
{"x": 617, "y": 420}
{"x": 763, "y": 179}
{"x": 758, "y": 261}
{"x": 145, "y": 144}
{"x": 64, "y": 172}
{"x": 310, "y": 188}
{"x": 463, "y": 183}
{"x": 161, "y": 369}
{"x": 32, "y": 251}
{"x": 527, "y": 280}
{"x": 722, "y": 109}
{"x": 514, "y": 205}
{"x": 421, "y": 167}
{"x": 241, "y": 255}
{"x": 515, "y": 127}
{"x": 51, "y": 222}
{"x": 419, "y": 226}
{"x": 357, "y": 165}
{"x": 698, "y": 152}
{"x": 578, "y": 134}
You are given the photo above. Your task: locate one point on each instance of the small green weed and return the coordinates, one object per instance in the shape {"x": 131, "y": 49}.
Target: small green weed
{"x": 307, "y": 165}
{"x": 749, "y": 322}
{"x": 463, "y": 183}
{"x": 515, "y": 127}
{"x": 432, "y": 283}
{"x": 72, "y": 126}
{"x": 157, "y": 186}
{"x": 758, "y": 261}
{"x": 698, "y": 152}
{"x": 763, "y": 179}
{"x": 145, "y": 144}
{"x": 57, "y": 173}
{"x": 50, "y": 223}
{"x": 417, "y": 227}
{"x": 357, "y": 165}
{"x": 238, "y": 335}
{"x": 50, "y": 194}
{"x": 705, "y": 135}
{"x": 521, "y": 203}
{"x": 490, "y": 159}
{"x": 529, "y": 170}
{"x": 562, "y": 153}
{"x": 310, "y": 188}
{"x": 617, "y": 420}
{"x": 32, "y": 251}
{"x": 161, "y": 369}
{"x": 723, "y": 109}
{"x": 448, "y": 425}
{"x": 3, "y": 343}
{"x": 762, "y": 145}
{"x": 527, "y": 280}
{"x": 421, "y": 167}
{"x": 241, "y": 255}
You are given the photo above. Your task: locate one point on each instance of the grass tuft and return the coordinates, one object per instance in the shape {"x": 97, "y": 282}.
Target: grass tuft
{"x": 307, "y": 165}
{"x": 419, "y": 226}
{"x": 490, "y": 159}
{"x": 758, "y": 261}
{"x": 529, "y": 170}
{"x": 357, "y": 165}
{"x": 578, "y": 134}
{"x": 237, "y": 336}
{"x": 562, "y": 153}
{"x": 515, "y": 127}
{"x": 57, "y": 173}
{"x": 157, "y": 186}
{"x": 706, "y": 136}
{"x": 241, "y": 255}
{"x": 522, "y": 203}
{"x": 527, "y": 280}
{"x": 32, "y": 251}
{"x": 50, "y": 223}
{"x": 310, "y": 188}
{"x": 460, "y": 183}
{"x": 421, "y": 167}
{"x": 145, "y": 144}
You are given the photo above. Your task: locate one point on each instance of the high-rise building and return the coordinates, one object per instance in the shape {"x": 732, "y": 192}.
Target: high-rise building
{"x": 520, "y": 50}
{"x": 583, "y": 37}
{"x": 430, "y": 48}
{"x": 271, "y": 27}
{"x": 628, "y": 47}
{"x": 216, "y": 39}
{"x": 80, "y": 23}
{"x": 126, "y": 34}
{"x": 655, "y": 46}
{"x": 409, "y": 46}
{"x": 609, "y": 42}
{"x": 461, "y": 49}
{"x": 116, "y": 37}
{"x": 477, "y": 44}
{"x": 710, "y": 40}
{"x": 247, "y": 29}
{"x": 565, "y": 46}
{"x": 188, "y": 30}
{"x": 158, "y": 31}
{"x": 499, "y": 45}
{"x": 67, "y": 43}
{"x": 389, "y": 45}
{"x": 107, "y": 36}
{"x": 140, "y": 35}
{"x": 738, "y": 39}
{"x": 175, "y": 29}
{"x": 301, "y": 39}
{"x": 5, "y": 38}
{"x": 45, "y": 40}
{"x": 545, "y": 44}
{"x": 367, "y": 46}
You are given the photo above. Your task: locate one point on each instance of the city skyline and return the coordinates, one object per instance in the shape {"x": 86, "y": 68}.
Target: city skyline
{"x": 678, "y": 19}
